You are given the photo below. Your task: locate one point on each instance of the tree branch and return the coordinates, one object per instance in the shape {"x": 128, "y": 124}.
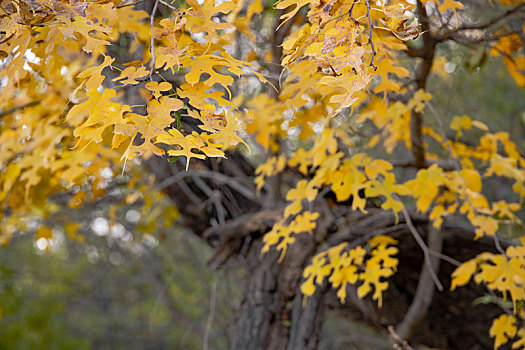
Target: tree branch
{"x": 215, "y": 176}
{"x": 152, "y": 41}
{"x": 427, "y": 53}
{"x": 14, "y": 109}
{"x": 425, "y": 288}
{"x": 424, "y": 247}
{"x": 243, "y": 226}
{"x": 493, "y": 21}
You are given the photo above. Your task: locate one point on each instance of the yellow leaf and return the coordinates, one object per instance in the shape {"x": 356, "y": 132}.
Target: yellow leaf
{"x": 303, "y": 190}
{"x": 387, "y": 188}
{"x": 506, "y": 275}
{"x": 461, "y": 123}
{"x": 503, "y": 328}
{"x": 377, "y": 167}
{"x": 304, "y": 222}
{"x": 425, "y": 187}
{"x": 342, "y": 276}
{"x": 187, "y": 143}
{"x": 132, "y": 75}
{"x": 451, "y": 5}
{"x": 461, "y": 276}
{"x": 480, "y": 125}
{"x": 297, "y": 4}
{"x": 472, "y": 179}
{"x": 520, "y": 343}
{"x": 486, "y": 225}
{"x": 157, "y": 88}
{"x": 82, "y": 26}
{"x": 307, "y": 287}
{"x": 94, "y": 74}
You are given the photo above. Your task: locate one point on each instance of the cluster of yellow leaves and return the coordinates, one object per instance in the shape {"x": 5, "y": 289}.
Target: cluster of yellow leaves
{"x": 272, "y": 166}
{"x": 41, "y": 46}
{"x": 392, "y": 119}
{"x": 282, "y": 232}
{"x": 504, "y": 274}
{"x": 328, "y": 66}
{"x": 345, "y": 266}
{"x": 509, "y": 47}
{"x": 460, "y": 190}
{"x": 336, "y": 45}
{"x": 346, "y": 177}
{"x": 436, "y": 191}
{"x": 65, "y": 115}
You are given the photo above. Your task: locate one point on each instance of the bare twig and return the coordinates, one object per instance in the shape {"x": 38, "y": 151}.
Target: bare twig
{"x": 188, "y": 192}
{"x": 152, "y": 41}
{"x": 351, "y": 9}
{"x": 498, "y": 245}
{"x": 443, "y": 134}
{"x": 493, "y": 21}
{"x": 243, "y": 226}
{"x": 125, "y": 4}
{"x": 424, "y": 247}
{"x": 425, "y": 288}
{"x": 16, "y": 108}
{"x": 446, "y": 258}
{"x": 370, "y": 27}
{"x": 170, "y": 6}
{"x": 399, "y": 343}
{"x": 212, "y": 195}
{"x": 211, "y": 314}
{"x": 218, "y": 177}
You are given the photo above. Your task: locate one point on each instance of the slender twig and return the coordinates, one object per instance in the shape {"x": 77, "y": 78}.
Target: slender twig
{"x": 212, "y": 195}
{"x": 422, "y": 244}
{"x": 401, "y": 343}
{"x": 170, "y": 6}
{"x": 351, "y": 9}
{"x": 124, "y": 4}
{"x": 493, "y": 20}
{"x": 211, "y": 314}
{"x": 444, "y": 135}
{"x": 188, "y": 192}
{"x": 370, "y": 27}
{"x": 152, "y": 41}
{"x": 498, "y": 245}
{"x": 446, "y": 258}
{"x": 218, "y": 177}
{"x": 425, "y": 289}
{"x": 14, "y": 109}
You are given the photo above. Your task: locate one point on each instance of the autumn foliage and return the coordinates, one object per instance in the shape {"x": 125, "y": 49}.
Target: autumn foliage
{"x": 97, "y": 85}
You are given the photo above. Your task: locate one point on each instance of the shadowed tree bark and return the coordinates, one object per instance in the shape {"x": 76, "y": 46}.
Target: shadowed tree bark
{"x": 273, "y": 313}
